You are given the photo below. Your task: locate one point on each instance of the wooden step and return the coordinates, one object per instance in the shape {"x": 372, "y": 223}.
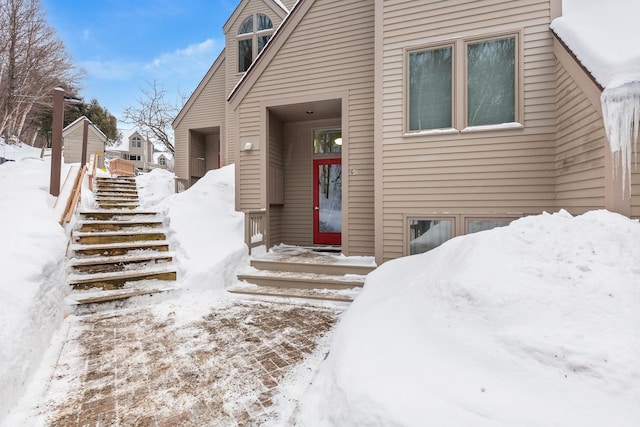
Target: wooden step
{"x": 278, "y": 292}
{"x": 330, "y": 266}
{"x": 116, "y": 280}
{"x": 89, "y": 238}
{"x": 302, "y": 280}
{"x": 102, "y": 296}
{"x": 115, "y": 249}
{"x": 103, "y": 264}
{"x": 122, "y": 206}
{"x": 111, "y": 225}
{"x": 116, "y": 214}
{"x": 118, "y": 195}
{"x": 122, "y": 179}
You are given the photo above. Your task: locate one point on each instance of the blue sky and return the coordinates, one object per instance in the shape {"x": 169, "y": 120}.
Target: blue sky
{"x": 122, "y": 44}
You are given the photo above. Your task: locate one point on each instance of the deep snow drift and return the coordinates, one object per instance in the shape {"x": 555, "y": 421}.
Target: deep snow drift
{"x": 534, "y": 324}
{"x": 32, "y": 257}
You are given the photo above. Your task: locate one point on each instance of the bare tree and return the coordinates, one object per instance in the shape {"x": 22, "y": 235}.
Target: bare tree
{"x": 33, "y": 61}
{"x": 153, "y": 114}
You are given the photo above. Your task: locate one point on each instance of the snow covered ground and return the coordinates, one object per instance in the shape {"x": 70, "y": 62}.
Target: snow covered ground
{"x": 534, "y": 324}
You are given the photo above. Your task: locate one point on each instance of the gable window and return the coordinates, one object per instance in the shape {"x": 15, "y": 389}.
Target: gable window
{"x": 253, "y": 34}
{"x": 463, "y": 84}
{"x": 136, "y": 142}
{"x": 161, "y": 161}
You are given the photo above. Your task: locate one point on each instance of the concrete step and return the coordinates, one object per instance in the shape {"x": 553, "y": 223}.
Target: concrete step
{"x": 278, "y": 292}
{"x": 114, "y": 225}
{"x": 331, "y": 265}
{"x": 116, "y": 280}
{"x": 91, "y": 238}
{"x": 103, "y": 264}
{"x": 302, "y": 280}
{"x": 115, "y": 249}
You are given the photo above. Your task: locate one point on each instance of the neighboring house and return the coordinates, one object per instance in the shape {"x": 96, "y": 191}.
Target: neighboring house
{"x": 134, "y": 147}
{"x": 163, "y": 160}
{"x": 72, "y": 137}
{"x": 388, "y": 127}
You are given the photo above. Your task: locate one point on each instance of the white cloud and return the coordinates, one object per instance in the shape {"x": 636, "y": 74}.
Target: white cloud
{"x": 86, "y": 34}
{"x": 110, "y": 70}
{"x": 195, "y": 57}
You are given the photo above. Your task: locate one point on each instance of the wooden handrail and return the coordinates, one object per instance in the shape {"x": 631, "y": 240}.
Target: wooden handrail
{"x": 74, "y": 197}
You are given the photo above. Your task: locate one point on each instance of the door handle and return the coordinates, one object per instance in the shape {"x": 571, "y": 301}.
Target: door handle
{"x": 315, "y": 208}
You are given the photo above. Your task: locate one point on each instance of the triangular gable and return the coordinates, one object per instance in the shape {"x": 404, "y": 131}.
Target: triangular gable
{"x": 79, "y": 120}
{"x": 201, "y": 86}
{"x": 275, "y": 5}
{"x": 269, "y": 51}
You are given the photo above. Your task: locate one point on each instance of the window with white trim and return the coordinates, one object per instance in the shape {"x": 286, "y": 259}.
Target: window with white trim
{"x": 487, "y": 83}
{"x": 136, "y": 142}
{"x": 253, "y": 34}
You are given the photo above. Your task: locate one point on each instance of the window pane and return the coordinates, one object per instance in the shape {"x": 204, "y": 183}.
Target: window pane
{"x": 491, "y": 70}
{"x": 246, "y": 26}
{"x": 475, "y": 225}
{"x": 430, "y": 89}
{"x": 425, "y": 235}
{"x": 244, "y": 55}
{"x": 264, "y": 23}
{"x": 327, "y": 141}
{"x": 262, "y": 40}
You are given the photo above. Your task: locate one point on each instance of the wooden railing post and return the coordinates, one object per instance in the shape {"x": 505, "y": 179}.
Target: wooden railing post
{"x": 255, "y": 228}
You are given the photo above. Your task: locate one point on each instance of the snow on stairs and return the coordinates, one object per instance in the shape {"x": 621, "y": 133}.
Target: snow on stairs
{"x": 295, "y": 272}
{"x": 117, "y": 248}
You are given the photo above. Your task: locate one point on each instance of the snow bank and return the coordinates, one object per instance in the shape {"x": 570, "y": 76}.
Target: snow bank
{"x": 206, "y": 232}
{"x": 32, "y": 256}
{"x": 534, "y": 324}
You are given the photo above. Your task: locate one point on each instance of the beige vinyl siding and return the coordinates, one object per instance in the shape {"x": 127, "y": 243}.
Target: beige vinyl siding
{"x": 275, "y": 180}
{"x": 502, "y": 172}
{"x": 73, "y": 143}
{"x": 581, "y": 141}
{"x": 297, "y": 213}
{"x": 329, "y": 51}
{"x": 207, "y": 110}
{"x": 635, "y": 188}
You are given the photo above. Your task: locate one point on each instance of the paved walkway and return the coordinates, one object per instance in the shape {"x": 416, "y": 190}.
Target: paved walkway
{"x": 235, "y": 366}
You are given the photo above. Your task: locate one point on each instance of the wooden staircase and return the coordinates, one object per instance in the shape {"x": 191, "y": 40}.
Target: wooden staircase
{"x": 297, "y": 272}
{"x": 117, "y": 245}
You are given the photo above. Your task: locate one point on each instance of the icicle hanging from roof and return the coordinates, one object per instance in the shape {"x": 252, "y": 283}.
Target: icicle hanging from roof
{"x": 621, "y": 115}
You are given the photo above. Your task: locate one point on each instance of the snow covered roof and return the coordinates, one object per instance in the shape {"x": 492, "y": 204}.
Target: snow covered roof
{"x": 604, "y": 37}
{"x": 123, "y": 143}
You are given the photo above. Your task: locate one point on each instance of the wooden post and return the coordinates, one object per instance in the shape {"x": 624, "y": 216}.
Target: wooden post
{"x": 85, "y": 137}
{"x": 56, "y": 141}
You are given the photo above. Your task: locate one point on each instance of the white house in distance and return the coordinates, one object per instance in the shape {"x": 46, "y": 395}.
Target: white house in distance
{"x": 163, "y": 160}
{"x": 134, "y": 147}
{"x": 72, "y": 136}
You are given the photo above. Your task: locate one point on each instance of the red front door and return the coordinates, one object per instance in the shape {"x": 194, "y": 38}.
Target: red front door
{"x": 327, "y": 201}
